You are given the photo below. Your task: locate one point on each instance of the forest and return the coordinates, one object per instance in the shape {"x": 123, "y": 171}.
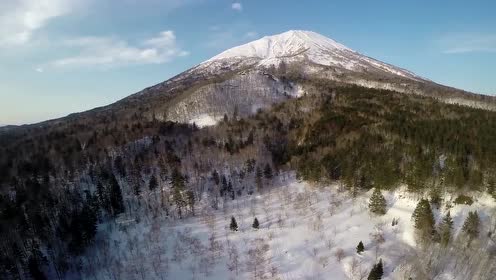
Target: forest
{"x": 60, "y": 181}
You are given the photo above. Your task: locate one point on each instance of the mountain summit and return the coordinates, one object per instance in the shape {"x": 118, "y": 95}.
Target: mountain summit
{"x": 299, "y": 45}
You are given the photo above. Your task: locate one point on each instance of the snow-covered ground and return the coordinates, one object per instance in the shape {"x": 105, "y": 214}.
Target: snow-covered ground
{"x": 205, "y": 120}
{"x": 306, "y": 232}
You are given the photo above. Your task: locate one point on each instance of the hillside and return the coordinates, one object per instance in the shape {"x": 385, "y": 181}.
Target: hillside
{"x": 270, "y": 129}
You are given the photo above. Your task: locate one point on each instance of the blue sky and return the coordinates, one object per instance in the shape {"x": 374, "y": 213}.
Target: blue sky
{"x": 64, "y": 56}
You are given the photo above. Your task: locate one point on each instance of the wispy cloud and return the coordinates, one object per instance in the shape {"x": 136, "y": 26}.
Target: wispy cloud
{"x": 468, "y": 43}
{"x": 20, "y": 19}
{"x": 111, "y": 52}
{"x": 237, "y": 6}
{"x": 222, "y": 37}
{"x": 251, "y": 35}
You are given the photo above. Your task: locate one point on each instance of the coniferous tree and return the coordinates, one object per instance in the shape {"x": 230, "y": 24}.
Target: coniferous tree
{"x": 491, "y": 187}
{"x": 137, "y": 189}
{"x": 178, "y": 186}
{"x": 153, "y": 184}
{"x": 376, "y": 272}
{"x": 471, "y": 225}
{"x": 424, "y": 219}
{"x": 216, "y": 177}
{"x": 445, "y": 229}
{"x": 360, "y": 248}
{"x": 377, "y": 203}
{"x": 35, "y": 270}
{"x": 103, "y": 197}
{"x": 234, "y": 225}
{"x": 190, "y": 195}
{"x": 116, "y": 200}
{"x": 268, "y": 172}
{"x": 256, "y": 224}
{"x": 88, "y": 220}
{"x": 258, "y": 179}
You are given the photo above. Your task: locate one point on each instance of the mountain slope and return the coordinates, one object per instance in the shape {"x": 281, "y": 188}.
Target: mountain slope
{"x": 274, "y": 68}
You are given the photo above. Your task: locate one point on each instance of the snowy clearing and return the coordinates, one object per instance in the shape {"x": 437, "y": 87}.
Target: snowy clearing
{"x": 305, "y": 232}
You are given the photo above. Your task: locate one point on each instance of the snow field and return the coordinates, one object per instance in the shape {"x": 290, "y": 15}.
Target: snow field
{"x": 305, "y": 232}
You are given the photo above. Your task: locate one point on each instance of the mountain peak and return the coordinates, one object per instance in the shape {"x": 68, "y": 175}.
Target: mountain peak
{"x": 307, "y": 47}
{"x": 287, "y": 44}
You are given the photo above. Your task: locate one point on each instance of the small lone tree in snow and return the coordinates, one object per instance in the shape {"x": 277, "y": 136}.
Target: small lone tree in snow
{"x": 256, "y": 224}
{"x": 377, "y": 203}
{"x": 471, "y": 225}
{"x": 234, "y": 225}
{"x": 376, "y": 272}
{"x": 360, "y": 248}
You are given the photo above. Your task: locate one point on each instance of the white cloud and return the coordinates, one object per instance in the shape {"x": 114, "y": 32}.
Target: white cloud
{"x": 237, "y": 6}
{"x": 226, "y": 36}
{"x": 39, "y": 69}
{"x": 111, "y": 52}
{"x": 19, "y": 19}
{"x": 251, "y": 35}
{"x": 468, "y": 43}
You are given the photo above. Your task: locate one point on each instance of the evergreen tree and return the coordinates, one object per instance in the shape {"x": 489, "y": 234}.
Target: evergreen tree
{"x": 216, "y": 177}
{"x": 256, "y": 224}
{"x": 376, "y": 272}
{"x": 491, "y": 187}
{"x": 435, "y": 195}
{"x": 103, "y": 197}
{"x": 190, "y": 195}
{"x": 153, "y": 184}
{"x": 445, "y": 229}
{"x": 424, "y": 219}
{"x": 471, "y": 225}
{"x": 137, "y": 189}
{"x": 377, "y": 203}
{"x": 258, "y": 179}
{"x": 35, "y": 270}
{"x": 268, "y": 172}
{"x": 360, "y": 248}
{"x": 116, "y": 200}
{"x": 224, "y": 186}
{"x": 88, "y": 220}
{"x": 178, "y": 186}
{"x": 234, "y": 225}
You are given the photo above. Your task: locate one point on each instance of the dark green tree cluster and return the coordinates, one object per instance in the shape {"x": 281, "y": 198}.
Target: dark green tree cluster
{"x": 393, "y": 140}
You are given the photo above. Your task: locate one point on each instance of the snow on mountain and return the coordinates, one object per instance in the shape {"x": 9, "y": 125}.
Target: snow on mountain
{"x": 296, "y": 45}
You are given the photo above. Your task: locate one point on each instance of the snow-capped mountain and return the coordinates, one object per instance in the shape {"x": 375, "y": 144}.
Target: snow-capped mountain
{"x": 298, "y": 45}
{"x": 272, "y": 69}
